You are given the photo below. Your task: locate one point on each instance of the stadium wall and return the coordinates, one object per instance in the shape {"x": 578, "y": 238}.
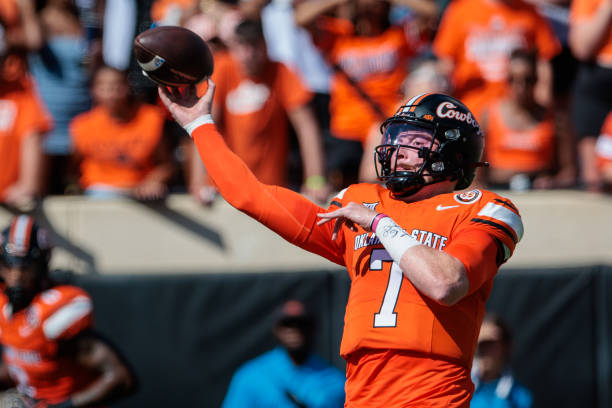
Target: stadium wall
{"x": 186, "y": 334}
{"x": 562, "y": 228}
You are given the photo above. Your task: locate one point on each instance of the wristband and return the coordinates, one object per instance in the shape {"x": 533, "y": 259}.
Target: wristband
{"x": 315, "y": 182}
{"x": 395, "y": 240}
{"x": 375, "y": 221}
{"x": 197, "y": 122}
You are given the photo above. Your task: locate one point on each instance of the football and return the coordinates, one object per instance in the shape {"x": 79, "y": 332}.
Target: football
{"x": 173, "y": 56}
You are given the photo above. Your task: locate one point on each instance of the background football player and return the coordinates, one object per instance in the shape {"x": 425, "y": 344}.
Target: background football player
{"x": 48, "y": 348}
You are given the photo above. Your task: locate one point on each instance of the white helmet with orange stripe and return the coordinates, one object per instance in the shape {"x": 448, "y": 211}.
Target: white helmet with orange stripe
{"x": 23, "y": 243}
{"x": 24, "y": 260}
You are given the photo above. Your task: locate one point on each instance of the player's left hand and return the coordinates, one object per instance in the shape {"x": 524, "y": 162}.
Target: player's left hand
{"x": 349, "y": 215}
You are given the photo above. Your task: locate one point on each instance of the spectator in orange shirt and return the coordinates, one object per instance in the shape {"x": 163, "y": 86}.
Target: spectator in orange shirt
{"x": 522, "y": 141}
{"x": 474, "y": 42}
{"x": 119, "y": 143}
{"x": 370, "y": 60}
{"x": 23, "y": 122}
{"x": 254, "y": 98}
{"x": 590, "y": 38}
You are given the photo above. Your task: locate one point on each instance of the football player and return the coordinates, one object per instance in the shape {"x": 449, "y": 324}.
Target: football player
{"x": 48, "y": 348}
{"x": 421, "y": 257}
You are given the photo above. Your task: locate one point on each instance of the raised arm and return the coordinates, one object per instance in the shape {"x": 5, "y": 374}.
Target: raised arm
{"x": 307, "y": 11}
{"x": 586, "y": 36}
{"x": 22, "y": 193}
{"x": 287, "y": 213}
{"x": 311, "y": 148}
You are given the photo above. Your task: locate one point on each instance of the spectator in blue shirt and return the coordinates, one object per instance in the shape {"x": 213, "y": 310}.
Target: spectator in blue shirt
{"x": 495, "y": 387}
{"x": 290, "y": 375}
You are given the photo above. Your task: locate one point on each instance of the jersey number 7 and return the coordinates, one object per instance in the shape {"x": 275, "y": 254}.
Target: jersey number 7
{"x": 386, "y": 317}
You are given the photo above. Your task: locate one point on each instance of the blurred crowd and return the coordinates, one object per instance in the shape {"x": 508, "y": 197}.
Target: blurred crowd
{"x": 302, "y": 89}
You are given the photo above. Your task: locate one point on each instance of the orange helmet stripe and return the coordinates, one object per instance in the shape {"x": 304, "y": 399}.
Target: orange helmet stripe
{"x": 418, "y": 100}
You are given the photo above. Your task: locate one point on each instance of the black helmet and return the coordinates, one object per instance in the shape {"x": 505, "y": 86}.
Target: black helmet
{"x": 24, "y": 243}
{"x": 454, "y": 153}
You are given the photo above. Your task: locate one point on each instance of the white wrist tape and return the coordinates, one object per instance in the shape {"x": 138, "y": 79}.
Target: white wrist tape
{"x": 393, "y": 237}
{"x": 197, "y": 122}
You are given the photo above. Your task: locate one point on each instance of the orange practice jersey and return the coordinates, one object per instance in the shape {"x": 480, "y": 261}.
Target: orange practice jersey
{"x": 603, "y": 147}
{"x": 528, "y": 150}
{"x": 431, "y": 345}
{"x": 21, "y": 114}
{"x": 254, "y": 114}
{"x": 30, "y": 340}
{"x": 582, "y": 11}
{"x": 478, "y": 36}
{"x": 114, "y": 153}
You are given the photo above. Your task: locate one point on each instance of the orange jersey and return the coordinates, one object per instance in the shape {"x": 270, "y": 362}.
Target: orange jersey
{"x": 603, "y": 147}
{"x": 432, "y": 346}
{"x": 385, "y": 310}
{"x": 30, "y": 340}
{"x": 581, "y": 12}
{"x": 21, "y": 114}
{"x": 254, "y": 114}
{"x": 478, "y": 36}
{"x": 529, "y": 150}
{"x": 378, "y": 65}
{"x": 115, "y": 153}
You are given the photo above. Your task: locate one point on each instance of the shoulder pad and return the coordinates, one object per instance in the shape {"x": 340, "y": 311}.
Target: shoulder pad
{"x": 336, "y": 201}
{"x": 501, "y": 214}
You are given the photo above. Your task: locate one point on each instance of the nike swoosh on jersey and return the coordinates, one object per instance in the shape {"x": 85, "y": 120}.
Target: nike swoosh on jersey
{"x": 441, "y": 207}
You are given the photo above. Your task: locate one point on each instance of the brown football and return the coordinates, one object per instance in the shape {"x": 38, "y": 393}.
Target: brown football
{"x": 173, "y": 56}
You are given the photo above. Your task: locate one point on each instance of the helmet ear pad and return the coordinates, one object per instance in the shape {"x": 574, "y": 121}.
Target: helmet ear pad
{"x": 459, "y": 166}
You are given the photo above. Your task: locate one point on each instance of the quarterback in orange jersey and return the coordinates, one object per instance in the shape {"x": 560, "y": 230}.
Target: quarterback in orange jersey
{"x": 48, "y": 349}
{"x": 421, "y": 258}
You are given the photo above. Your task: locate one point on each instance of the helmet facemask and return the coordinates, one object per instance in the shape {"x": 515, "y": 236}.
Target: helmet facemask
{"x": 26, "y": 247}
{"x": 405, "y": 137}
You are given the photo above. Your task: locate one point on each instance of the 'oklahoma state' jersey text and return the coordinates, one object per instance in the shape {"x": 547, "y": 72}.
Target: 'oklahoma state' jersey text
{"x": 385, "y": 310}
